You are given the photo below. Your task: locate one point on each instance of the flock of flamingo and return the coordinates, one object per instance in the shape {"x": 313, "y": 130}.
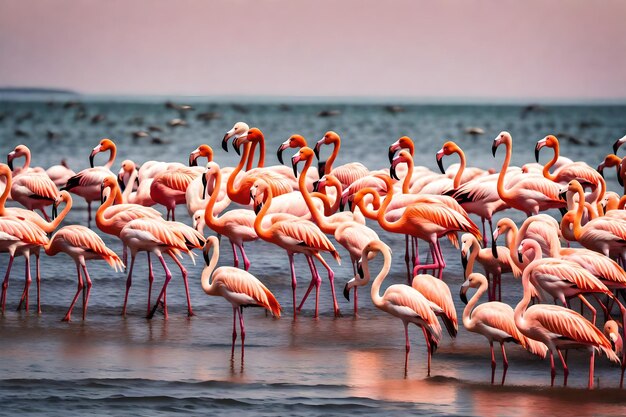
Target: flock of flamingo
{"x": 299, "y": 210}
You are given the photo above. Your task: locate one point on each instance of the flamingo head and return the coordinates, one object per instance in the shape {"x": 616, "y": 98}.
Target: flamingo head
{"x": 124, "y": 173}
{"x": 198, "y": 220}
{"x": 402, "y": 157}
{"x": 212, "y": 242}
{"x": 238, "y": 130}
{"x": 257, "y": 194}
{"x": 304, "y": 154}
{"x": 202, "y": 150}
{"x": 503, "y": 137}
{"x": 550, "y": 141}
{"x": 404, "y": 142}
{"x": 110, "y": 183}
{"x": 254, "y": 135}
{"x": 474, "y": 280}
{"x": 212, "y": 168}
{"x": 612, "y": 332}
{"x": 447, "y": 149}
{"x": 528, "y": 246}
{"x": 295, "y": 141}
{"x": 20, "y": 150}
{"x": 104, "y": 145}
{"x": 618, "y": 143}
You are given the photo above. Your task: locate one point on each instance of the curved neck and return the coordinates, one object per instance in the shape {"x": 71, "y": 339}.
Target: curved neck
{"x": 334, "y": 182}
{"x": 6, "y": 173}
{"x": 622, "y": 203}
{"x": 258, "y": 222}
{"x": 459, "y": 173}
{"x": 233, "y": 193}
{"x": 359, "y": 201}
{"x": 375, "y": 291}
{"x": 209, "y": 218}
{"x": 523, "y": 304}
{"x": 101, "y": 220}
{"x": 406, "y": 181}
{"x": 205, "y": 280}
{"x": 474, "y": 249}
{"x": 502, "y": 192}
{"x": 26, "y": 161}
{"x": 467, "y": 312}
{"x": 380, "y": 216}
{"x": 578, "y": 230}
{"x": 325, "y": 226}
{"x": 112, "y": 155}
{"x": 50, "y": 227}
{"x": 331, "y": 159}
{"x": 129, "y": 186}
{"x": 546, "y": 167}
{"x": 511, "y": 242}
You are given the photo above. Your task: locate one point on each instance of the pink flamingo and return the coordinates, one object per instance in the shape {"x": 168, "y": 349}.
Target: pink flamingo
{"x": 141, "y": 196}
{"x": 169, "y": 187}
{"x": 611, "y": 331}
{"x": 295, "y": 236}
{"x": 59, "y": 174}
{"x": 558, "y": 327}
{"x": 32, "y": 189}
{"x": 87, "y": 183}
{"x": 201, "y": 151}
{"x": 531, "y": 194}
{"x": 81, "y": 244}
{"x": 404, "y": 302}
{"x": 240, "y": 288}
{"x": 346, "y": 174}
{"x": 495, "y": 321}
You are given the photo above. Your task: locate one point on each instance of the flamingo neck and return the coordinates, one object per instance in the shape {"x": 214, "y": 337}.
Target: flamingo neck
{"x": 101, "y": 220}
{"x": 375, "y": 290}
{"x": 129, "y": 186}
{"x": 205, "y": 280}
{"x": 474, "y": 249}
{"x": 112, "y": 156}
{"x": 396, "y": 226}
{"x": 578, "y": 231}
{"x": 503, "y": 192}
{"x": 324, "y": 225}
{"x": 511, "y": 241}
{"x": 467, "y": 312}
{"x": 359, "y": 201}
{"x": 264, "y": 234}
{"x": 521, "y": 307}
{"x": 334, "y": 182}
{"x": 459, "y": 173}
{"x": 51, "y": 226}
{"x": 26, "y": 160}
{"x": 6, "y": 173}
{"x": 622, "y": 203}
{"x": 209, "y": 218}
{"x": 406, "y": 181}
{"x": 331, "y": 159}
{"x": 550, "y": 164}
{"x": 233, "y": 193}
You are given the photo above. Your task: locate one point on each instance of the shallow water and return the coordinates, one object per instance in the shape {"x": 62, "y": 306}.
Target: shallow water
{"x": 109, "y": 365}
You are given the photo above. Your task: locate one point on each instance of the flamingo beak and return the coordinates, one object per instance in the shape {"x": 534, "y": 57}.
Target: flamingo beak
{"x": 463, "y": 261}
{"x": 257, "y": 208}
{"x": 359, "y": 269}
{"x": 392, "y": 152}
{"x": 192, "y": 159}
{"x": 318, "y": 145}
{"x": 10, "y": 157}
{"x": 205, "y": 254}
{"x": 54, "y": 210}
{"x": 204, "y": 184}
{"x": 316, "y": 185}
{"x": 346, "y": 292}
{"x": 494, "y": 249}
{"x": 494, "y": 147}
{"x": 392, "y": 172}
{"x": 101, "y": 194}
{"x": 236, "y": 146}
{"x": 496, "y": 234}
{"x": 120, "y": 182}
{"x": 537, "y": 152}
{"x": 93, "y": 153}
{"x": 350, "y": 202}
{"x": 279, "y": 152}
{"x": 617, "y": 145}
{"x": 600, "y": 169}
{"x": 294, "y": 164}
{"x": 563, "y": 195}
{"x": 520, "y": 258}
{"x": 440, "y": 161}
{"x": 463, "y": 292}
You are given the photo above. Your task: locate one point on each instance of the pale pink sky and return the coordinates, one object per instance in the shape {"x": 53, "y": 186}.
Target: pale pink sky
{"x": 570, "y": 49}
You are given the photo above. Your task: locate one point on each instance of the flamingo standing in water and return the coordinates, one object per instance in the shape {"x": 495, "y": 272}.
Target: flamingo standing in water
{"x": 402, "y": 301}
{"x": 31, "y": 188}
{"x": 240, "y": 288}
{"x": 295, "y": 236}
{"x": 347, "y": 173}
{"x": 532, "y": 193}
{"x": 495, "y": 321}
{"x": 558, "y": 327}
{"x": 169, "y": 187}
{"x": 81, "y": 244}
{"x": 87, "y": 183}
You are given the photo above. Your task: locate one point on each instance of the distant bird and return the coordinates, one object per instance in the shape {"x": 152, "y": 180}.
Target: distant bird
{"x": 404, "y": 302}
{"x": 474, "y": 130}
{"x": 240, "y": 288}
{"x": 177, "y": 123}
{"x": 495, "y": 321}
{"x": 558, "y": 327}
{"x": 81, "y": 244}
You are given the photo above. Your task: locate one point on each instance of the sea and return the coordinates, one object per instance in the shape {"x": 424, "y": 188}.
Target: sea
{"x": 350, "y": 365}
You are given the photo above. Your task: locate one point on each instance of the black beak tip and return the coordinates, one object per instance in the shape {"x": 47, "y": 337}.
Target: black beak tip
{"x": 91, "y": 160}
{"x": 316, "y": 150}
{"x": 536, "y": 154}
{"x": 10, "y": 163}
{"x": 463, "y": 296}
{"x": 520, "y": 257}
{"x": 620, "y": 180}
{"x": 464, "y": 262}
{"x": 316, "y": 186}
{"x": 236, "y": 148}
{"x": 493, "y": 150}
{"x": 341, "y": 205}
{"x": 392, "y": 173}
{"x": 391, "y": 155}
{"x": 205, "y": 255}
{"x": 257, "y": 208}
{"x": 192, "y": 161}
{"x": 294, "y": 166}
{"x": 225, "y": 143}
{"x": 440, "y": 165}
{"x": 346, "y": 292}
{"x": 279, "y": 154}
{"x": 350, "y": 202}
{"x": 616, "y": 146}
{"x": 359, "y": 270}
{"x": 494, "y": 249}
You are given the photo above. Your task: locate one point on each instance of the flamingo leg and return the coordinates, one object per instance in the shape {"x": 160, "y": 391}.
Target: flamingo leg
{"x": 89, "y": 217}
{"x": 318, "y": 282}
{"x": 88, "y": 291}
{"x": 407, "y": 347}
{"x": 125, "y": 254}
{"x": 428, "y": 347}
{"x": 232, "y": 350}
{"x": 406, "y": 258}
{"x": 565, "y": 368}
{"x": 129, "y": 282}
{"x": 415, "y": 242}
{"x": 505, "y": 362}
{"x": 38, "y": 281}
{"x": 356, "y": 301}
{"x": 242, "y": 327}
{"x": 5, "y": 283}
{"x": 493, "y": 362}
{"x": 591, "y": 366}
{"x": 183, "y": 271}
{"x": 246, "y": 261}
{"x": 235, "y": 257}
{"x": 168, "y": 277}
{"x": 68, "y": 315}
{"x": 294, "y": 283}
{"x": 150, "y": 281}
{"x": 313, "y": 283}
{"x": 174, "y": 213}
{"x": 484, "y": 234}
{"x": 593, "y": 310}
{"x": 432, "y": 266}
{"x": 27, "y": 281}
{"x": 552, "y": 370}
{"x": 331, "y": 279}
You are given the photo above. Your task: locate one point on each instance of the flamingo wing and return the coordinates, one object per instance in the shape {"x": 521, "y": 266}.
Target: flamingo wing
{"x": 242, "y": 282}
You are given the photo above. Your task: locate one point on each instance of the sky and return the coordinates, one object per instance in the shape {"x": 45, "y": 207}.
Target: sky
{"x": 483, "y": 49}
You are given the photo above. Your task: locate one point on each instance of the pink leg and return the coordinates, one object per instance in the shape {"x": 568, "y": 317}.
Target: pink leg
{"x": 174, "y": 213}
{"x": 235, "y": 257}
{"x": 318, "y": 283}
{"x": 314, "y": 283}
{"x": 493, "y": 362}
{"x": 331, "y": 279}
{"x": 242, "y": 327}
{"x": 183, "y": 271}
{"x": 552, "y": 370}
{"x": 505, "y": 362}
{"x": 232, "y": 350}
{"x": 416, "y": 259}
{"x": 434, "y": 265}
{"x": 88, "y": 291}
{"x": 129, "y": 282}
{"x": 125, "y": 254}
{"x": 68, "y": 315}
{"x": 356, "y": 301}
{"x": 484, "y": 234}
{"x": 565, "y": 369}
{"x": 5, "y": 283}
{"x": 45, "y": 215}
{"x": 168, "y": 277}
{"x": 407, "y": 348}
{"x": 428, "y": 347}
{"x": 591, "y": 366}
{"x": 27, "y": 281}
{"x": 150, "y": 281}
{"x": 406, "y": 259}
{"x": 294, "y": 284}
{"x": 246, "y": 261}
{"x": 38, "y": 280}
